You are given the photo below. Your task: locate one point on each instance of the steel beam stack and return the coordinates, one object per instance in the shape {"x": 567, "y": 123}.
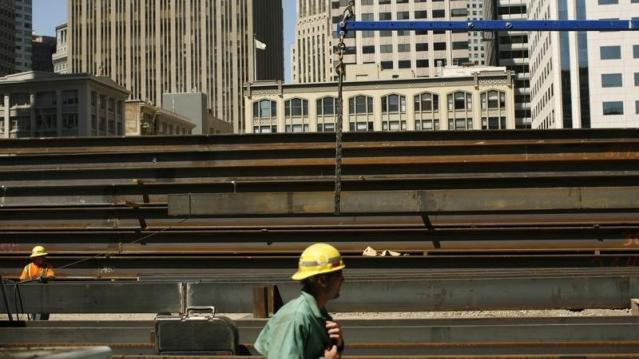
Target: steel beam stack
{"x": 441, "y": 193}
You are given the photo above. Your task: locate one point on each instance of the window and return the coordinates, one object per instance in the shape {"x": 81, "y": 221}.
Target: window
{"x": 326, "y": 114}
{"x": 70, "y": 121}
{"x": 460, "y": 101}
{"x": 460, "y": 111}
{"x": 439, "y": 13}
{"x": 610, "y": 52}
{"x": 393, "y": 113}
{"x": 612, "y": 80}
{"x": 493, "y": 110}
{"x": 386, "y": 65}
{"x": 264, "y": 116}
{"x": 607, "y": 2}
{"x": 46, "y": 99}
{"x": 458, "y": 12}
{"x": 19, "y": 99}
{"x": 635, "y": 50}
{"x": 426, "y": 112}
{"x": 613, "y": 108}
{"x": 296, "y": 115}
{"x": 360, "y": 113}
{"x": 460, "y": 45}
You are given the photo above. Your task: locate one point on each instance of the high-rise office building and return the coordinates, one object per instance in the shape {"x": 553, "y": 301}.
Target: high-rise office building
{"x": 268, "y": 23}
{"x": 476, "y": 45}
{"x": 154, "y": 47}
{"x": 584, "y": 79}
{"x": 313, "y": 58}
{"x": 23, "y": 30}
{"x": 43, "y": 48}
{"x": 7, "y": 37}
{"x": 510, "y": 49}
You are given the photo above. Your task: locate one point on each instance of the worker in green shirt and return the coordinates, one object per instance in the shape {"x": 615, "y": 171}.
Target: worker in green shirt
{"x": 303, "y": 328}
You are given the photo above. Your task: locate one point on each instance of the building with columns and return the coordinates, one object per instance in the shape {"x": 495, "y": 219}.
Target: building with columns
{"x": 45, "y": 104}
{"x": 153, "y": 47}
{"x": 461, "y": 99}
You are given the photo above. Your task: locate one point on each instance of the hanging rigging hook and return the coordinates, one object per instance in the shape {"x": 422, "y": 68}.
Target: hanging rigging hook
{"x": 341, "y": 72}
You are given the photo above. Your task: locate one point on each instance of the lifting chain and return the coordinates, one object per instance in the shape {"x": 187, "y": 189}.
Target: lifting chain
{"x": 341, "y": 72}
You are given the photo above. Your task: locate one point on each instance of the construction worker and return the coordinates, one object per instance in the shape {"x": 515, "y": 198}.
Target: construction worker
{"x": 303, "y": 328}
{"x": 39, "y": 269}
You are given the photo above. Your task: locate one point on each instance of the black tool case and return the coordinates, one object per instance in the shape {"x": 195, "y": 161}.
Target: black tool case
{"x": 197, "y": 332}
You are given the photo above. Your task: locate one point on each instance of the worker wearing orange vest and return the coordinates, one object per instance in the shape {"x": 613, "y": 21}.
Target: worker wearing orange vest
{"x": 38, "y": 269}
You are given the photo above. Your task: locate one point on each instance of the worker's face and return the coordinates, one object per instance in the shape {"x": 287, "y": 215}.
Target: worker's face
{"x": 39, "y": 260}
{"x": 334, "y": 282}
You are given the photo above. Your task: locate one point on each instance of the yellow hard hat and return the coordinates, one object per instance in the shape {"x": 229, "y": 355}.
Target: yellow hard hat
{"x": 318, "y": 258}
{"x": 38, "y": 251}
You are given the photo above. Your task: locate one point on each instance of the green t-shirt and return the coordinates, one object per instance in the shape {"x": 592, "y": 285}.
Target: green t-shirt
{"x": 297, "y": 330}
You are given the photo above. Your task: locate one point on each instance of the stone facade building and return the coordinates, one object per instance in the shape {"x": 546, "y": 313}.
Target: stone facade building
{"x": 45, "y": 104}
{"x": 462, "y": 99}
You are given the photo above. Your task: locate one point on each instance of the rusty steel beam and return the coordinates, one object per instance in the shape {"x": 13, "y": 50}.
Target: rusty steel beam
{"x": 350, "y": 241}
{"x": 407, "y": 202}
{"x": 366, "y": 291}
{"x": 421, "y": 338}
{"x": 199, "y": 265}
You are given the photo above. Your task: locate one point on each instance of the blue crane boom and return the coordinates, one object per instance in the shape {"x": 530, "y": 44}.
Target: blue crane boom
{"x": 491, "y": 25}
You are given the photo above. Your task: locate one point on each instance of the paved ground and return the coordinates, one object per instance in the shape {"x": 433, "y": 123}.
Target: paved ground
{"x": 385, "y": 315}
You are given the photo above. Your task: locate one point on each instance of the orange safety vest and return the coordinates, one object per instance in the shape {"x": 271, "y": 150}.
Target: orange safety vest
{"x": 32, "y": 271}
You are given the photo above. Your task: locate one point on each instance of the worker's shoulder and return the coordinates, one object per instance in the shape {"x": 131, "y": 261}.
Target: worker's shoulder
{"x": 297, "y": 308}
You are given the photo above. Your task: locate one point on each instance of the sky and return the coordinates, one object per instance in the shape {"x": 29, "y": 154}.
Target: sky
{"x": 47, "y": 14}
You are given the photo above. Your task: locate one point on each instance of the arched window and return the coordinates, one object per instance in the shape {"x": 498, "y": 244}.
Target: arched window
{"x": 426, "y": 112}
{"x": 326, "y": 114}
{"x": 460, "y": 110}
{"x": 360, "y": 113}
{"x": 264, "y": 116}
{"x": 393, "y": 113}
{"x": 493, "y": 110}
{"x": 296, "y": 115}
